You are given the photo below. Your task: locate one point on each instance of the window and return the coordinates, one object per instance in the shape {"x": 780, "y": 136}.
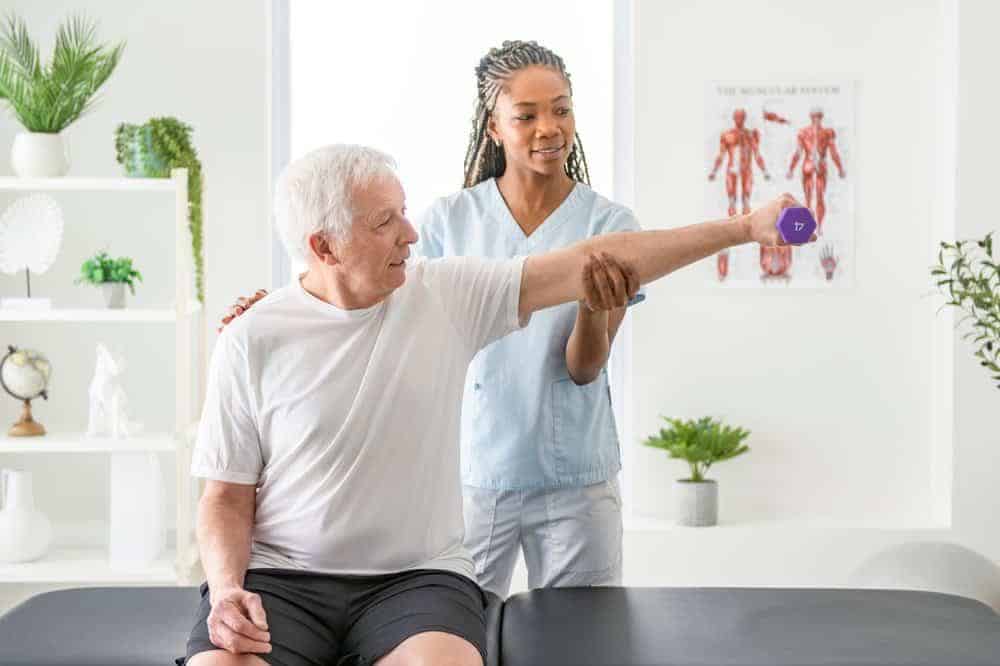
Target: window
{"x": 400, "y": 76}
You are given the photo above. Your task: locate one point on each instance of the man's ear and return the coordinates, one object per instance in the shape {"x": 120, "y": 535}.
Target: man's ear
{"x": 323, "y": 249}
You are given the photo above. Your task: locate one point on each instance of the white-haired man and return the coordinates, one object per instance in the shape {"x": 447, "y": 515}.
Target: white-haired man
{"x": 331, "y": 523}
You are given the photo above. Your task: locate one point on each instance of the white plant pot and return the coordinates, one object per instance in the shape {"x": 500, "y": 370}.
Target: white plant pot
{"x": 25, "y": 532}
{"x": 114, "y": 294}
{"x": 696, "y": 503}
{"x": 39, "y": 155}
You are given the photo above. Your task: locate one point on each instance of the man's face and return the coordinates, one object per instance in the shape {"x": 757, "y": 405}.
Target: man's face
{"x": 739, "y": 117}
{"x": 374, "y": 256}
{"x": 817, "y": 118}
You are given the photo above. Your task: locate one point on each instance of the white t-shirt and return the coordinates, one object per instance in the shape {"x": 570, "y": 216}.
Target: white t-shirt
{"x": 347, "y": 421}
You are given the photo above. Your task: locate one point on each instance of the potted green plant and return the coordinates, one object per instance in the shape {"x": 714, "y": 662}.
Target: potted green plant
{"x": 968, "y": 273}
{"x": 701, "y": 443}
{"x": 112, "y": 275}
{"x": 152, "y": 150}
{"x": 47, "y": 98}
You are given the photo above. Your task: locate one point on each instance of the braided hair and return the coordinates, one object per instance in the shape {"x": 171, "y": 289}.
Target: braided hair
{"x": 484, "y": 159}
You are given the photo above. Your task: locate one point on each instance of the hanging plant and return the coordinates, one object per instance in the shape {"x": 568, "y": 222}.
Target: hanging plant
{"x": 152, "y": 150}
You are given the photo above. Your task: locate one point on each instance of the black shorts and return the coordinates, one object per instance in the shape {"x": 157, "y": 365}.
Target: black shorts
{"x": 352, "y": 620}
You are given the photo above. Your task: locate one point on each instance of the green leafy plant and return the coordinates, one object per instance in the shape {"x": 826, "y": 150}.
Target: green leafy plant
{"x": 701, "y": 443}
{"x": 967, "y": 273}
{"x": 152, "y": 150}
{"x": 49, "y": 97}
{"x": 101, "y": 269}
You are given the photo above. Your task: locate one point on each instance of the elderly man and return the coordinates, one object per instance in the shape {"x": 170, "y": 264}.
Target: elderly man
{"x": 331, "y": 523}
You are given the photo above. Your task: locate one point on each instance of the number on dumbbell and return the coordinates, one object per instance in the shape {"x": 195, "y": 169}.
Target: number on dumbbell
{"x": 799, "y": 226}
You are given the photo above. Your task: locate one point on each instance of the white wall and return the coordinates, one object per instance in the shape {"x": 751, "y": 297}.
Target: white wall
{"x": 977, "y": 400}
{"x": 847, "y": 455}
{"x": 204, "y": 62}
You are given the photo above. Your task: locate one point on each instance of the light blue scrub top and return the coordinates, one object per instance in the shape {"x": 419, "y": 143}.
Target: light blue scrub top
{"x": 525, "y": 423}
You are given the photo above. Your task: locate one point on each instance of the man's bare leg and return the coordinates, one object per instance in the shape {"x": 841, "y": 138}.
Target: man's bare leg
{"x": 433, "y": 647}
{"x": 223, "y": 658}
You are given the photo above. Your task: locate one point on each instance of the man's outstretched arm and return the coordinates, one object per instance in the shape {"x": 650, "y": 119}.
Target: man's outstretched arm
{"x": 555, "y": 277}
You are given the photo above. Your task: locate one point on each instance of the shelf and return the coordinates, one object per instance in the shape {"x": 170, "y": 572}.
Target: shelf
{"x": 87, "y": 184}
{"x": 87, "y": 565}
{"x": 99, "y": 314}
{"x": 64, "y": 442}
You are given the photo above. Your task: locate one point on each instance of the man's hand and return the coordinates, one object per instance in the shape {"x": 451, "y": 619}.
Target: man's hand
{"x": 762, "y": 224}
{"x": 242, "y": 305}
{"x": 237, "y": 623}
{"x": 608, "y": 283}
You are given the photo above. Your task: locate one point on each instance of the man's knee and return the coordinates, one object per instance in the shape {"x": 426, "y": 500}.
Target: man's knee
{"x": 223, "y": 658}
{"x": 433, "y": 648}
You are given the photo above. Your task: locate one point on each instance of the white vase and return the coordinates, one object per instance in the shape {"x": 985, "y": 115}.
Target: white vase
{"x": 25, "y": 532}
{"x": 697, "y": 503}
{"x": 39, "y": 155}
{"x": 114, "y": 295}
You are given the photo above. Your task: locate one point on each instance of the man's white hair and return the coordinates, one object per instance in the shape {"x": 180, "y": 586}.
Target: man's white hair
{"x": 314, "y": 193}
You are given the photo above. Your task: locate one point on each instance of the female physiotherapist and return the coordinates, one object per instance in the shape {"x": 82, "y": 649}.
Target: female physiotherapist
{"x": 540, "y": 453}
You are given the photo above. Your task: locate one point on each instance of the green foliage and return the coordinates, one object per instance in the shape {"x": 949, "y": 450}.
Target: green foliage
{"x": 967, "y": 273}
{"x": 152, "y": 150}
{"x": 700, "y": 443}
{"x": 48, "y": 98}
{"x": 101, "y": 268}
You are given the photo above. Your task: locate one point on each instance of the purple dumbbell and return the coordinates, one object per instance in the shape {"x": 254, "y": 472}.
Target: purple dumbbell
{"x": 796, "y": 225}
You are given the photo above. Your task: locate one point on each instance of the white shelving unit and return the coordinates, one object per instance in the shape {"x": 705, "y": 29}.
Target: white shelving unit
{"x": 73, "y": 563}
{"x": 87, "y": 566}
{"x": 99, "y": 315}
{"x": 93, "y": 184}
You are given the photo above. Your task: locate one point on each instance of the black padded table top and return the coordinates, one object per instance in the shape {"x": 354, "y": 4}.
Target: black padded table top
{"x": 744, "y": 626}
{"x": 138, "y": 626}
{"x": 112, "y": 626}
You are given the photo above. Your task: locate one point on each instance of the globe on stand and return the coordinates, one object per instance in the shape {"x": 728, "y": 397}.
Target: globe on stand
{"x": 25, "y": 374}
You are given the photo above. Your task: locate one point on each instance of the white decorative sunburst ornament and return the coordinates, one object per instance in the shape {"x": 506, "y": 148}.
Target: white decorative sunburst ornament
{"x": 31, "y": 232}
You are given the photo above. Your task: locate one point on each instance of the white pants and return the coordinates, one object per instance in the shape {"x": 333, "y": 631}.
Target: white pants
{"x": 570, "y": 536}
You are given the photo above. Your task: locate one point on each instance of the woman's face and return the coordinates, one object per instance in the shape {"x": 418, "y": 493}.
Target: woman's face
{"x": 533, "y": 120}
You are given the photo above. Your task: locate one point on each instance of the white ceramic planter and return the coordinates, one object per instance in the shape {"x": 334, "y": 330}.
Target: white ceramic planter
{"x": 696, "y": 503}
{"x": 114, "y": 294}
{"x": 25, "y": 532}
{"x": 39, "y": 155}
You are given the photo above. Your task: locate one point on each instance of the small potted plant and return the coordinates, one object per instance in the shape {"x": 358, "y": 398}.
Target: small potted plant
{"x": 152, "y": 150}
{"x": 968, "y": 274}
{"x": 47, "y": 98}
{"x": 111, "y": 275}
{"x": 701, "y": 443}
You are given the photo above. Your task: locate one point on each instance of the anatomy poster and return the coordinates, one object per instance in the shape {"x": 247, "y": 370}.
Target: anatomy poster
{"x": 765, "y": 139}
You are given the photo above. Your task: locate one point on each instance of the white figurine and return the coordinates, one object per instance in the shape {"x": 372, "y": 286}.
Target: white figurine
{"x": 108, "y": 400}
